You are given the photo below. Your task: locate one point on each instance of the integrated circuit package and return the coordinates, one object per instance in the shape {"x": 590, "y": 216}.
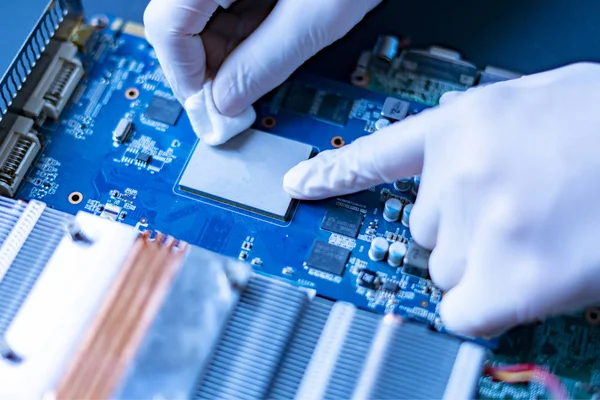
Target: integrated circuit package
{"x": 246, "y": 172}
{"x": 328, "y": 257}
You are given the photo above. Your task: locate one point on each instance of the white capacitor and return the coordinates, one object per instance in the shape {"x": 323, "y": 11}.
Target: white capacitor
{"x": 379, "y": 248}
{"x": 416, "y": 183}
{"x": 392, "y": 209}
{"x": 403, "y": 185}
{"x": 396, "y": 254}
{"x": 406, "y": 214}
{"x": 382, "y": 123}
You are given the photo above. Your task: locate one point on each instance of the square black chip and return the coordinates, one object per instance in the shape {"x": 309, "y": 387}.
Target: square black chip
{"x": 343, "y": 221}
{"x": 162, "y": 109}
{"x": 328, "y": 257}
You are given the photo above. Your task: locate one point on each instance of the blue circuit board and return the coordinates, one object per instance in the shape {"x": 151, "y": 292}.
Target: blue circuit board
{"x": 81, "y": 168}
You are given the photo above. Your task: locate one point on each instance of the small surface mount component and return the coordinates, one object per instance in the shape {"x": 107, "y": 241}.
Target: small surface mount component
{"x": 368, "y": 279}
{"x": 111, "y": 212}
{"x": 390, "y": 286}
{"x": 334, "y": 109}
{"x": 144, "y": 158}
{"x": 343, "y": 221}
{"x": 123, "y": 131}
{"x": 396, "y": 254}
{"x": 416, "y": 260}
{"x": 165, "y": 110}
{"x": 247, "y": 171}
{"x": 328, "y": 257}
{"x": 395, "y": 109}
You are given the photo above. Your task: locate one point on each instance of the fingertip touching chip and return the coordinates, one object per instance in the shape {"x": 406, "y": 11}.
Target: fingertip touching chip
{"x": 343, "y": 221}
{"x": 328, "y": 257}
{"x": 335, "y": 109}
{"x": 247, "y": 171}
{"x": 162, "y": 109}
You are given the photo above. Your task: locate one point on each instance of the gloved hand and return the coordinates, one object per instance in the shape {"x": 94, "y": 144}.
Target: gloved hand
{"x": 217, "y": 67}
{"x": 509, "y": 198}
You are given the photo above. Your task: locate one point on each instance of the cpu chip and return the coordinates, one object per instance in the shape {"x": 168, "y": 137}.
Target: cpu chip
{"x": 246, "y": 172}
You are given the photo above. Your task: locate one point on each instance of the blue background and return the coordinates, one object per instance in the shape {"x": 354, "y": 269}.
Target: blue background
{"x": 521, "y": 35}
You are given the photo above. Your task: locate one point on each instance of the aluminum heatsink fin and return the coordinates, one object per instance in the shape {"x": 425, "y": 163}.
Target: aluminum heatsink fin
{"x": 33, "y": 256}
{"x": 300, "y": 350}
{"x": 255, "y": 339}
{"x": 353, "y": 355}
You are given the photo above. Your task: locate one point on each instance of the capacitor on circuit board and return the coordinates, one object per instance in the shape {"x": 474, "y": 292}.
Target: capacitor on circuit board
{"x": 406, "y": 214}
{"x": 392, "y": 209}
{"x": 396, "y": 254}
{"x": 403, "y": 185}
{"x": 379, "y": 248}
{"x": 416, "y": 182}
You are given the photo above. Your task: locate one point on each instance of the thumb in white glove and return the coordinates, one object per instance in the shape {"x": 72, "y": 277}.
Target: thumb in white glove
{"x": 247, "y": 49}
{"x": 509, "y": 195}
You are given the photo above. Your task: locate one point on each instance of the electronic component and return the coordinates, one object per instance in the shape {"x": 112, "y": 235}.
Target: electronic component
{"x": 386, "y": 48}
{"x": 378, "y": 249}
{"x": 334, "y": 109}
{"x": 144, "y": 158}
{"x": 395, "y": 109}
{"x": 382, "y": 123}
{"x": 368, "y": 279}
{"x": 416, "y": 260}
{"x": 111, "y": 212}
{"x": 406, "y": 214}
{"x": 390, "y": 286}
{"x": 162, "y": 109}
{"x": 20, "y": 146}
{"x": 299, "y": 98}
{"x": 52, "y": 82}
{"x": 328, "y": 257}
{"x": 343, "y": 221}
{"x": 416, "y": 182}
{"x": 247, "y": 171}
{"x": 392, "y": 209}
{"x": 123, "y": 131}
{"x": 396, "y": 254}
{"x": 403, "y": 185}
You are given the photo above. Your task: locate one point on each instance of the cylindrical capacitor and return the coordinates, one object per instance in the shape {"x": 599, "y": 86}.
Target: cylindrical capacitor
{"x": 403, "y": 185}
{"x": 415, "y": 184}
{"x": 392, "y": 209}
{"x": 406, "y": 214}
{"x": 396, "y": 254}
{"x": 386, "y": 48}
{"x": 379, "y": 248}
{"x": 382, "y": 123}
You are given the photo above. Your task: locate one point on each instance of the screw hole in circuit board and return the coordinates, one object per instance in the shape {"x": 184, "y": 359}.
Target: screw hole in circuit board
{"x": 337, "y": 141}
{"x": 268, "y": 122}
{"x": 592, "y": 316}
{"x": 75, "y": 198}
{"x": 132, "y": 94}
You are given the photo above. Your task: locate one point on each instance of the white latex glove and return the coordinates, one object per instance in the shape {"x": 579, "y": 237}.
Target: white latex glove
{"x": 509, "y": 197}
{"x": 247, "y": 49}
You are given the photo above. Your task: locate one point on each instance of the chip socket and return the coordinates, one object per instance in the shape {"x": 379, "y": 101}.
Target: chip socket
{"x": 246, "y": 172}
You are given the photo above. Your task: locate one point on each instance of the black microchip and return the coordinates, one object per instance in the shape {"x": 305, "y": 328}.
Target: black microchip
{"x": 328, "y": 258}
{"x": 368, "y": 279}
{"x": 144, "y": 158}
{"x": 164, "y": 110}
{"x": 335, "y": 109}
{"x": 299, "y": 99}
{"x": 343, "y": 221}
{"x": 391, "y": 286}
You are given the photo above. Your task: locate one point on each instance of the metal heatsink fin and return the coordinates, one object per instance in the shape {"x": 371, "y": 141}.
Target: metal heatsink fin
{"x": 32, "y": 257}
{"x": 254, "y": 342}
